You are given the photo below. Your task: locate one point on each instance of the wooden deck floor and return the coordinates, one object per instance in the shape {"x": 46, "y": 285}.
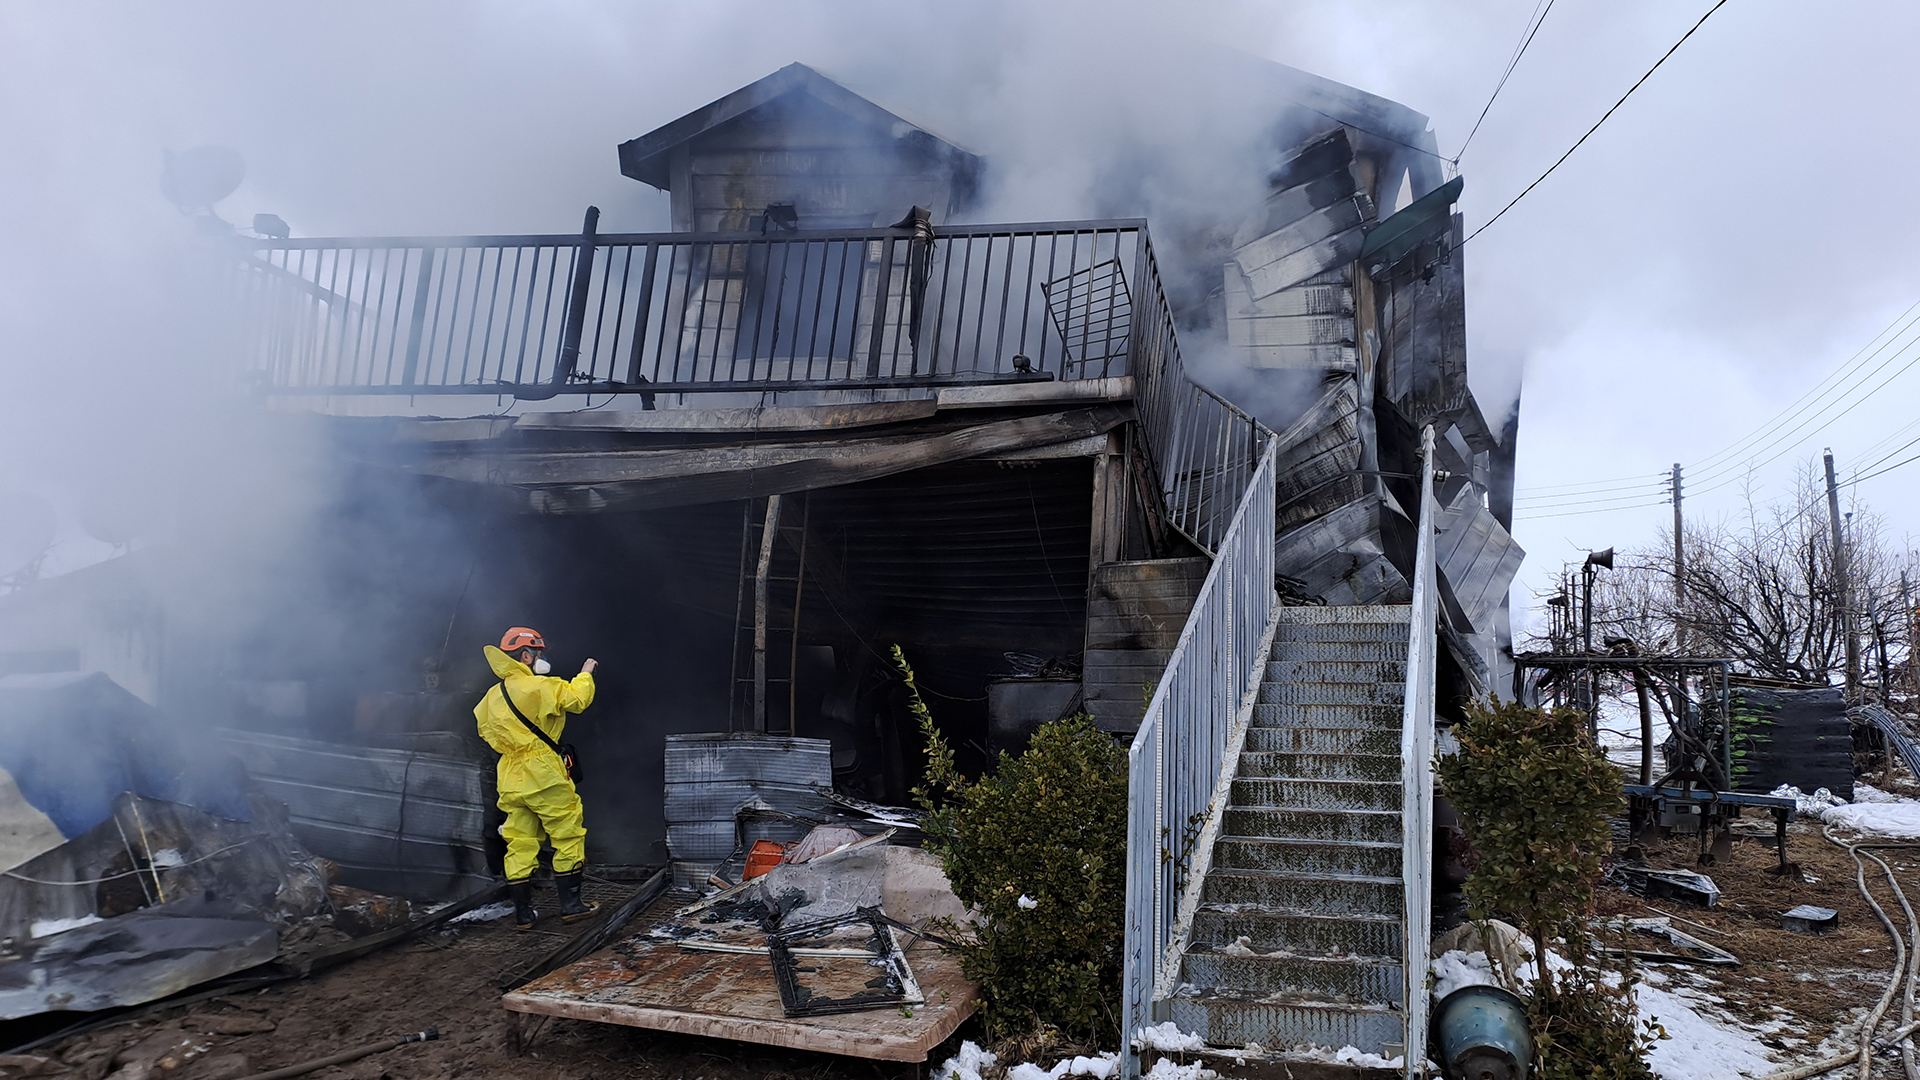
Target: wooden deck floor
{"x": 653, "y": 983}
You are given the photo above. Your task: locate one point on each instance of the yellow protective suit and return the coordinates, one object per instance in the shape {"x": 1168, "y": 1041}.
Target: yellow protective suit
{"x": 538, "y": 798}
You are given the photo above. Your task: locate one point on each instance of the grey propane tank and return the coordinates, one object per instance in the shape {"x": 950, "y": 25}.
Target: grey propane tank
{"x": 1483, "y": 1034}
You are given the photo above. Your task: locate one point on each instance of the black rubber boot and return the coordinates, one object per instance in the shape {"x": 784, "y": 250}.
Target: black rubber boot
{"x": 521, "y": 893}
{"x": 572, "y": 908}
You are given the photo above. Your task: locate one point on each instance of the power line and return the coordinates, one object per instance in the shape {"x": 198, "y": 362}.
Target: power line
{"x": 1596, "y": 127}
{"x": 1549, "y": 496}
{"x": 1815, "y": 392}
{"x": 1592, "y": 510}
{"x": 1643, "y": 477}
{"x": 1884, "y": 457}
{"x": 1883, "y": 472}
{"x": 1534, "y": 21}
{"x": 1592, "y": 502}
{"x": 1788, "y": 447}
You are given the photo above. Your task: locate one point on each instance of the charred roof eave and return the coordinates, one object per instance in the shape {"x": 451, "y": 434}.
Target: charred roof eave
{"x": 646, "y": 158}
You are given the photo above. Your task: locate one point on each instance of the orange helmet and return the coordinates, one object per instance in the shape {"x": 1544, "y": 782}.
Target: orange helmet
{"x": 521, "y": 637}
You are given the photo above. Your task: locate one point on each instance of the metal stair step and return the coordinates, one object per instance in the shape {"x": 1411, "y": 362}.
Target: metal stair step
{"x": 1308, "y": 616}
{"x": 1309, "y": 693}
{"x": 1377, "y": 826}
{"x": 1358, "y": 979}
{"x": 1346, "y": 652}
{"x": 1379, "y": 767}
{"x": 1337, "y": 671}
{"x": 1304, "y": 740}
{"x": 1265, "y": 931}
{"x": 1327, "y": 716}
{"x": 1305, "y": 893}
{"x": 1225, "y": 1020}
{"x": 1373, "y": 633}
{"x": 1316, "y": 794}
{"x": 1356, "y": 857}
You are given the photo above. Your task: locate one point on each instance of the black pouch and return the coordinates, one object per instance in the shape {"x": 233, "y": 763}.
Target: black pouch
{"x": 569, "y": 757}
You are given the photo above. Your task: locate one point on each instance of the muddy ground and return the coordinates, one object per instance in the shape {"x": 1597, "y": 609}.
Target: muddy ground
{"x": 1805, "y": 987}
{"x": 447, "y": 979}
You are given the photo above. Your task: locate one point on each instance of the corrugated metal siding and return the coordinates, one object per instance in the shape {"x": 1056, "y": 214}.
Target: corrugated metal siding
{"x": 709, "y": 777}
{"x": 387, "y": 814}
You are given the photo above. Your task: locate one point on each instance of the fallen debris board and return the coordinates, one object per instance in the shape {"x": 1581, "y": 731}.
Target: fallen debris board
{"x": 658, "y": 985}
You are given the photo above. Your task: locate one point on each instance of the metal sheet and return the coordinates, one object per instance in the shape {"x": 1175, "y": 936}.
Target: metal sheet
{"x": 372, "y": 809}
{"x": 1478, "y": 558}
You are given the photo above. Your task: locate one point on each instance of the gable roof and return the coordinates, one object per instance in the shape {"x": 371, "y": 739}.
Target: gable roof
{"x": 645, "y": 158}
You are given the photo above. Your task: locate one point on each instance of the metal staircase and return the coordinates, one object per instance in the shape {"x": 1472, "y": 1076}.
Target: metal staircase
{"x": 1280, "y": 789}
{"x": 1298, "y": 934}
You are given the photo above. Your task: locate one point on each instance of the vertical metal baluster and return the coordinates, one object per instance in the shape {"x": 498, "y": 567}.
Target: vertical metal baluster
{"x": 636, "y": 369}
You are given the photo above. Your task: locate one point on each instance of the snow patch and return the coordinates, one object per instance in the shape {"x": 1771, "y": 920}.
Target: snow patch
{"x": 1351, "y": 1055}
{"x": 1882, "y": 816}
{"x": 1698, "y": 1047}
{"x": 1165, "y": 1069}
{"x": 1813, "y": 804}
{"x": 1168, "y": 1039}
{"x": 1454, "y": 969}
{"x": 967, "y": 1064}
{"x": 487, "y": 913}
{"x": 48, "y": 927}
{"x": 1241, "y": 946}
{"x": 1103, "y": 1067}
{"x": 1027, "y": 903}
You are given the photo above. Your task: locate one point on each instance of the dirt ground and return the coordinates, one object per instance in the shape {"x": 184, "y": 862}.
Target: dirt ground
{"x": 1803, "y": 987}
{"x": 446, "y": 979}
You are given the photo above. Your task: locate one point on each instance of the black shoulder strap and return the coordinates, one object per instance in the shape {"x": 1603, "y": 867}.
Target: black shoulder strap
{"x": 531, "y": 726}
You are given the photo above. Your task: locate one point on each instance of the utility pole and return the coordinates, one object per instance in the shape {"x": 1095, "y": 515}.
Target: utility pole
{"x": 1842, "y": 584}
{"x": 1911, "y": 620}
{"x": 1679, "y": 552}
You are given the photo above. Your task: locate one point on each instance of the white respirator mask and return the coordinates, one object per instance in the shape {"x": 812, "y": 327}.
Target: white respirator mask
{"x": 540, "y": 666}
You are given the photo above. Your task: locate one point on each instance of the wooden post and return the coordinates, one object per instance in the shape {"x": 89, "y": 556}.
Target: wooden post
{"x": 1908, "y": 616}
{"x": 767, "y": 532}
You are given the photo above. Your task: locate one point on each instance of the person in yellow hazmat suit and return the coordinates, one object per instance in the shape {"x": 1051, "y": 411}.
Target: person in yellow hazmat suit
{"x": 522, "y": 718}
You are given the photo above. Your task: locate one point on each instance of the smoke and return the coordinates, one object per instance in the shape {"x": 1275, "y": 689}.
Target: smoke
{"x": 1711, "y": 230}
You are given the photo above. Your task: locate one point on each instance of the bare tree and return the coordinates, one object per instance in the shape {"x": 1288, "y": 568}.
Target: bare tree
{"x": 1759, "y": 588}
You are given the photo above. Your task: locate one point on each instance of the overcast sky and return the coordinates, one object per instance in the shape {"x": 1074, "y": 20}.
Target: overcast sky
{"x": 1739, "y": 229}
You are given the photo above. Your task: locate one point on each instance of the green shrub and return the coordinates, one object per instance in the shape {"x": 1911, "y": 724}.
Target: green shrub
{"x": 1536, "y": 797}
{"x": 1050, "y": 827}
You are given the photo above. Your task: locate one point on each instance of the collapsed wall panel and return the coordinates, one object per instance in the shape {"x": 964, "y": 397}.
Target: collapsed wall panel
{"x": 1135, "y": 612}
{"x": 397, "y": 821}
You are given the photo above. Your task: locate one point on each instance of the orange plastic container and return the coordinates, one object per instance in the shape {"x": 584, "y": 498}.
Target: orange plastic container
{"x": 764, "y": 856}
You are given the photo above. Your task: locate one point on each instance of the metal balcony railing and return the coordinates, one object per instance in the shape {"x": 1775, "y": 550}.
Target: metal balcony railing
{"x": 534, "y": 317}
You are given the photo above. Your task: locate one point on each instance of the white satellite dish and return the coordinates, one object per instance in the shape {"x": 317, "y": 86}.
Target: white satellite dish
{"x": 195, "y": 179}
{"x": 27, "y": 526}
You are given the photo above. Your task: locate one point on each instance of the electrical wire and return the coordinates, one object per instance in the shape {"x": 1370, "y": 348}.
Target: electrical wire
{"x": 1882, "y": 472}
{"x": 1591, "y": 510}
{"x": 1813, "y": 393}
{"x": 1877, "y": 461}
{"x": 1592, "y": 483}
{"x": 1787, "y": 447}
{"x": 1534, "y": 22}
{"x": 130, "y": 873}
{"x": 1596, "y": 127}
{"x": 1801, "y": 429}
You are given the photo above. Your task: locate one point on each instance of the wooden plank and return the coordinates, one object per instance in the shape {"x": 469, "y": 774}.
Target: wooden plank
{"x": 659, "y": 986}
{"x": 588, "y": 481}
{"x": 1290, "y": 330}
{"x": 1317, "y": 258}
{"x": 1313, "y": 229}
{"x": 1338, "y": 359}
{"x": 784, "y": 418}
{"x": 1293, "y": 203}
{"x": 999, "y": 395}
{"x": 1331, "y": 298}
{"x": 1324, "y": 153}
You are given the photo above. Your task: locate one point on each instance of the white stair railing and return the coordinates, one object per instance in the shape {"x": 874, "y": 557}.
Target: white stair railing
{"x": 1175, "y": 761}
{"x": 1416, "y": 768}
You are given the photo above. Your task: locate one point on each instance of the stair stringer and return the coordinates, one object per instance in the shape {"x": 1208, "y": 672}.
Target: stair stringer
{"x": 1181, "y": 937}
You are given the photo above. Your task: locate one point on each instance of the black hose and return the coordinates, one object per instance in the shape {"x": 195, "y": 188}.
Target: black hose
{"x": 345, "y": 1056}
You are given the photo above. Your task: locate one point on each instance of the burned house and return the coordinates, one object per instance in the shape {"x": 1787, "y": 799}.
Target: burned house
{"x": 829, "y": 415}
